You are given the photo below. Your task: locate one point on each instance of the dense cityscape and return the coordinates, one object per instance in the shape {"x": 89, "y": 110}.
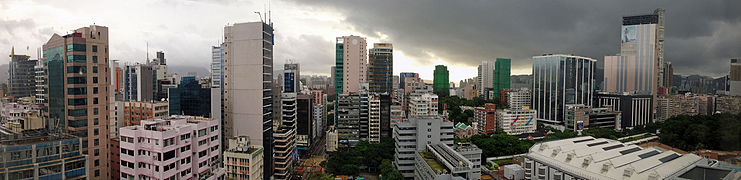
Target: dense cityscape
{"x": 77, "y": 112}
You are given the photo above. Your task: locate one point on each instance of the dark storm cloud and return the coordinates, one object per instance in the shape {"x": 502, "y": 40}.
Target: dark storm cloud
{"x": 700, "y": 35}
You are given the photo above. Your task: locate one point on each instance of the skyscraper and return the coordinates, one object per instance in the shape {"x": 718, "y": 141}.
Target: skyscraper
{"x": 381, "y": 68}
{"x": 138, "y": 82}
{"x": 735, "y": 77}
{"x": 501, "y": 75}
{"x": 77, "y": 89}
{"x": 351, "y": 59}
{"x": 21, "y": 75}
{"x": 248, "y": 75}
{"x": 217, "y": 59}
{"x": 485, "y": 78}
{"x": 639, "y": 67}
{"x": 440, "y": 83}
{"x": 285, "y": 133}
{"x": 190, "y": 98}
{"x": 559, "y": 80}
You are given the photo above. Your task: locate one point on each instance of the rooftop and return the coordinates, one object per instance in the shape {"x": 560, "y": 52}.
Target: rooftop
{"x": 598, "y": 158}
{"x": 431, "y": 161}
{"x": 10, "y": 138}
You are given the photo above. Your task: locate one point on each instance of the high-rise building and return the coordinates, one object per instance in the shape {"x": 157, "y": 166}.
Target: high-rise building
{"x": 414, "y": 135}
{"x": 403, "y": 76}
{"x": 735, "y": 78}
{"x": 639, "y": 68}
{"x": 381, "y": 68}
{"x": 374, "y": 119}
{"x": 515, "y": 121}
{"x": 44, "y": 155}
{"x": 177, "y": 147}
{"x": 668, "y": 77}
{"x": 485, "y": 78}
{"x": 190, "y": 98}
{"x": 423, "y": 105}
{"x": 21, "y": 75}
{"x": 351, "y": 60}
{"x": 248, "y": 71}
{"x": 519, "y": 99}
{"x": 560, "y": 80}
{"x": 77, "y": 89}
{"x": 305, "y": 123}
{"x": 502, "y": 70}
{"x": 440, "y": 82}
{"x": 352, "y": 118}
{"x": 285, "y": 134}
{"x": 244, "y": 161}
{"x": 138, "y": 83}
{"x": 486, "y": 117}
{"x": 136, "y": 111}
{"x": 217, "y": 60}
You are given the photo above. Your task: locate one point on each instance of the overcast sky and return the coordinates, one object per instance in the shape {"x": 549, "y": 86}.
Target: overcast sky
{"x": 701, "y": 36}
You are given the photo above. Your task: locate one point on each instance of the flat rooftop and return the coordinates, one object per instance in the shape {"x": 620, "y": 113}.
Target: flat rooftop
{"x": 8, "y": 138}
{"x": 431, "y": 161}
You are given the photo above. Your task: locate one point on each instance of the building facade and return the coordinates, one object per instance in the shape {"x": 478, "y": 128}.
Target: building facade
{"x": 559, "y": 80}
{"x": 43, "y": 155}
{"x": 285, "y": 134}
{"x": 519, "y": 99}
{"x": 502, "y": 68}
{"x": 735, "y": 78}
{"x": 580, "y": 117}
{"x": 135, "y": 111}
{"x": 414, "y": 135}
{"x": 423, "y": 105}
{"x": 248, "y": 71}
{"x": 177, "y": 147}
{"x": 190, "y": 98}
{"x": 351, "y": 64}
{"x": 517, "y": 121}
{"x": 305, "y": 123}
{"x": 381, "y": 68}
{"x": 21, "y": 75}
{"x": 485, "y": 78}
{"x": 138, "y": 82}
{"x": 486, "y": 117}
{"x": 75, "y": 98}
{"x": 635, "y": 109}
{"x": 244, "y": 161}
{"x": 440, "y": 82}
{"x": 440, "y": 161}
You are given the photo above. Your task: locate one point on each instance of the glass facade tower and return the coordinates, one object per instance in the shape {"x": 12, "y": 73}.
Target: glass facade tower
{"x": 559, "y": 80}
{"x": 441, "y": 82}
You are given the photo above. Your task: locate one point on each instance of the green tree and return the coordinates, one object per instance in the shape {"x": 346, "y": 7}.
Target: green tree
{"x": 388, "y": 171}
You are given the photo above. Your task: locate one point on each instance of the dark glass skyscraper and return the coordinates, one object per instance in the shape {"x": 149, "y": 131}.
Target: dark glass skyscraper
{"x": 21, "y": 75}
{"x": 381, "y": 68}
{"x": 559, "y": 80}
{"x": 190, "y": 98}
{"x": 502, "y": 69}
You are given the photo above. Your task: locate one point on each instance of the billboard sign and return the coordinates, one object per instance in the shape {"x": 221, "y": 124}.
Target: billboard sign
{"x": 628, "y": 33}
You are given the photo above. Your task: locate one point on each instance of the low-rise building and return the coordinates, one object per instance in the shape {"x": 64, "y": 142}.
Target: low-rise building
{"x": 728, "y": 104}
{"x": 332, "y": 139}
{"x": 465, "y": 131}
{"x": 486, "y": 117}
{"x": 42, "y": 155}
{"x": 244, "y": 161}
{"x": 635, "y": 109}
{"x": 597, "y": 158}
{"x": 440, "y": 161}
{"x": 580, "y": 117}
{"x": 517, "y": 121}
{"x": 177, "y": 147}
{"x": 423, "y": 105}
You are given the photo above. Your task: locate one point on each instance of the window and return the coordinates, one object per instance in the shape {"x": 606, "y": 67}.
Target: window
{"x": 77, "y": 102}
{"x": 76, "y": 80}
{"x": 95, "y": 132}
{"x": 97, "y": 162}
{"x": 95, "y": 101}
{"x": 95, "y": 59}
{"x": 76, "y": 58}
{"x": 75, "y": 47}
{"x": 95, "y": 48}
{"x": 95, "y": 90}
{"x": 95, "y": 111}
{"x": 96, "y": 152}
{"x": 76, "y": 91}
{"x": 96, "y": 142}
{"x": 185, "y": 148}
{"x": 95, "y": 79}
{"x": 76, "y": 69}
{"x": 77, "y": 112}
{"x": 202, "y": 153}
{"x": 95, "y": 69}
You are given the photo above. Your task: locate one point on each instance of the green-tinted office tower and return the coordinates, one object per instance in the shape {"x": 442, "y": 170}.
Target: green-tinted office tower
{"x": 381, "y": 68}
{"x": 501, "y": 75}
{"x": 441, "y": 83}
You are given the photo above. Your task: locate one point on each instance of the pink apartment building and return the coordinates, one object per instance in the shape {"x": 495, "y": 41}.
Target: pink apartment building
{"x": 177, "y": 147}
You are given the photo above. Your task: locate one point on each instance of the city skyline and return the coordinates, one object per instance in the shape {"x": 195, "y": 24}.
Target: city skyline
{"x": 306, "y": 29}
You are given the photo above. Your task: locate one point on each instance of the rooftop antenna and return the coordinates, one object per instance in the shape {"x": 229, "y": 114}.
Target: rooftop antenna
{"x": 147, "y": 61}
{"x": 270, "y": 21}
{"x": 258, "y": 13}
